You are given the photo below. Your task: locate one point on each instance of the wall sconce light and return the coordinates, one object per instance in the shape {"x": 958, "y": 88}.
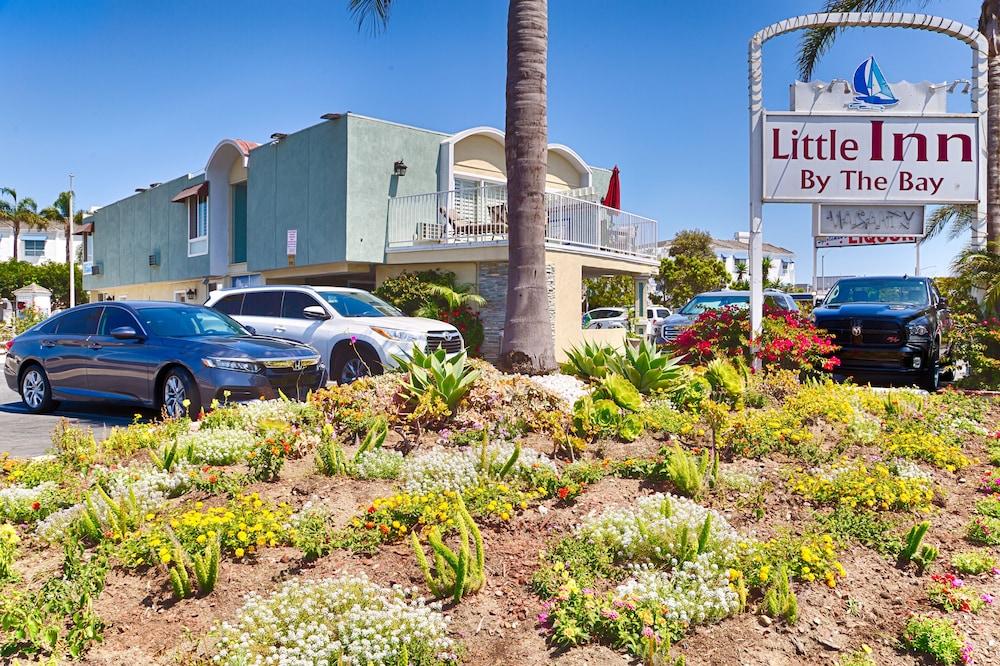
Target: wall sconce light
{"x": 399, "y": 168}
{"x": 847, "y": 85}
{"x": 966, "y": 86}
{"x": 192, "y": 292}
{"x": 278, "y": 136}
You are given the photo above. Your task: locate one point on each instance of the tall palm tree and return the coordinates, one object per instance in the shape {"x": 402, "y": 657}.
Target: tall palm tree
{"x": 527, "y": 341}
{"x": 19, "y": 214}
{"x": 58, "y": 213}
{"x": 818, "y": 41}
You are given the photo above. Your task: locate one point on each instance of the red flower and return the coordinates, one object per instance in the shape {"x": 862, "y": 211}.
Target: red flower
{"x": 371, "y": 509}
{"x": 563, "y": 492}
{"x": 35, "y": 506}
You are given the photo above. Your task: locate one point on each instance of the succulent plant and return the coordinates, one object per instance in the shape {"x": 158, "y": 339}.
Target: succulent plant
{"x": 647, "y": 368}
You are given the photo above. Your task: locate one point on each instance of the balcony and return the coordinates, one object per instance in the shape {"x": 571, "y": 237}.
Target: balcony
{"x": 478, "y": 216}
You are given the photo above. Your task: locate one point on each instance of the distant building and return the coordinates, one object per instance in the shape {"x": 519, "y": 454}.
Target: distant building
{"x": 36, "y": 246}
{"x": 735, "y": 255}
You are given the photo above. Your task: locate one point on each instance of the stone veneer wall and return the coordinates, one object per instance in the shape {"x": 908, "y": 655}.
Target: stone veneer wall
{"x": 493, "y": 287}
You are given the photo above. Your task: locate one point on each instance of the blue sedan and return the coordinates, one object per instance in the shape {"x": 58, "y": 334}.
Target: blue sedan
{"x": 169, "y": 356}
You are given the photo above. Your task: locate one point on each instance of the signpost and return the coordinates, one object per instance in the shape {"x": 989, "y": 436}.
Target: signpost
{"x": 866, "y": 142}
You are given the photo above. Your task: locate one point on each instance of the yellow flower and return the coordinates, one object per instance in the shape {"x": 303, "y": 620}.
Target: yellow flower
{"x": 504, "y": 516}
{"x": 202, "y": 538}
{"x": 165, "y": 556}
{"x": 150, "y": 516}
{"x": 240, "y": 552}
{"x": 765, "y": 571}
{"x": 242, "y": 536}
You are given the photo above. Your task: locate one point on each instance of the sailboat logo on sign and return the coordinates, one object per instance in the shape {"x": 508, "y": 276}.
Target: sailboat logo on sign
{"x": 870, "y": 87}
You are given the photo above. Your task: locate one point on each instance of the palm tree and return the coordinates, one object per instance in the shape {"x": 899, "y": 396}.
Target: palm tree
{"x": 454, "y": 299}
{"x": 19, "y": 214}
{"x": 58, "y": 212}
{"x": 818, "y": 41}
{"x": 527, "y": 342}
{"x": 982, "y": 269}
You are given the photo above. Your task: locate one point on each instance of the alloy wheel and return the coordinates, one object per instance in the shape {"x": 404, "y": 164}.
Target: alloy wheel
{"x": 174, "y": 395}
{"x": 33, "y": 388}
{"x": 353, "y": 369}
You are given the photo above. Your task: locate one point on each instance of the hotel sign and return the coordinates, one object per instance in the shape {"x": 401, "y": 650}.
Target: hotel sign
{"x": 879, "y": 158}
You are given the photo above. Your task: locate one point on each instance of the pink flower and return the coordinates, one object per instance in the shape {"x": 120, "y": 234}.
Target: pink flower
{"x": 543, "y": 618}
{"x": 610, "y": 614}
{"x": 354, "y": 339}
{"x": 966, "y": 654}
{"x": 648, "y": 632}
{"x": 957, "y": 582}
{"x": 986, "y": 597}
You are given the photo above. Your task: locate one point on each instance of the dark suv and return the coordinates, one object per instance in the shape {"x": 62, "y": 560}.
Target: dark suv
{"x": 895, "y": 328}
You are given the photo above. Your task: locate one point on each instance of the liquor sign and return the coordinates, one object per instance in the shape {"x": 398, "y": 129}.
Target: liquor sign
{"x": 857, "y": 241}
{"x": 838, "y": 220}
{"x": 867, "y": 158}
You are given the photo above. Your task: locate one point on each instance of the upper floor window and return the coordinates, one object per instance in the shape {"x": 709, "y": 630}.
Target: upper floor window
{"x": 198, "y": 224}
{"x": 34, "y": 248}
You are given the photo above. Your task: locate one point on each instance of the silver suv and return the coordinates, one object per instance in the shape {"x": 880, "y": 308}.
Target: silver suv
{"x": 357, "y": 332}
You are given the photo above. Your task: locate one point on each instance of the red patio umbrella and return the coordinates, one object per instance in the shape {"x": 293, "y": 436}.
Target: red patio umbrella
{"x": 613, "y": 199}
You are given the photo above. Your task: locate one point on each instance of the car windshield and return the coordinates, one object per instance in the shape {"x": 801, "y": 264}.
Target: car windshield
{"x": 700, "y": 304}
{"x": 879, "y": 290}
{"x": 359, "y": 304}
{"x": 189, "y": 322}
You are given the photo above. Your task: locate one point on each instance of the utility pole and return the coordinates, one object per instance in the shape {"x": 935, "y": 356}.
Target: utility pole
{"x": 71, "y": 259}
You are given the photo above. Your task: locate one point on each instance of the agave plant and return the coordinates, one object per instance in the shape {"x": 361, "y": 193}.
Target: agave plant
{"x": 728, "y": 379}
{"x": 647, "y": 368}
{"x": 589, "y": 362}
{"x": 446, "y": 377}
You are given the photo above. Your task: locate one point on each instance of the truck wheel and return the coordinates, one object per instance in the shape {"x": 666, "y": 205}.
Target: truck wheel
{"x": 932, "y": 375}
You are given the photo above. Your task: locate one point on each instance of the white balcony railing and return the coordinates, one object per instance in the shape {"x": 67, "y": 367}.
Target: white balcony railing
{"x": 479, "y": 215}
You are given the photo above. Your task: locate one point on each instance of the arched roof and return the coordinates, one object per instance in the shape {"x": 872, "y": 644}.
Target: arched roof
{"x": 239, "y": 145}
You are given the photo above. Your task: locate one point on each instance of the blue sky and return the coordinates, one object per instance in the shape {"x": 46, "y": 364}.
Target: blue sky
{"x": 123, "y": 94}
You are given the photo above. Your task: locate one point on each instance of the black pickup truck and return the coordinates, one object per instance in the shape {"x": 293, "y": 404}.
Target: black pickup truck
{"x": 889, "y": 328}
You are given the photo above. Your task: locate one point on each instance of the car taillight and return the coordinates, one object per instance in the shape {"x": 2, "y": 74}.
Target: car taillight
{"x": 9, "y": 344}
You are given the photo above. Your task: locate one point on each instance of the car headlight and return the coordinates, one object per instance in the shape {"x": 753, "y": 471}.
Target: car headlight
{"x": 918, "y": 328}
{"x": 399, "y": 335}
{"x": 237, "y": 364}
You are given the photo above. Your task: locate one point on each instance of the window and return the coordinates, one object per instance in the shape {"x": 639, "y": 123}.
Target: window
{"x": 230, "y": 305}
{"x": 359, "y": 304}
{"x": 34, "y": 248}
{"x": 189, "y": 322}
{"x": 294, "y": 303}
{"x": 79, "y": 322}
{"x": 116, "y": 318}
{"x": 197, "y": 225}
{"x": 262, "y": 304}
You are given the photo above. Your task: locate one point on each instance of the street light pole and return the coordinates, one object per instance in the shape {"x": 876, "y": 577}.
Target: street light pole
{"x": 71, "y": 259}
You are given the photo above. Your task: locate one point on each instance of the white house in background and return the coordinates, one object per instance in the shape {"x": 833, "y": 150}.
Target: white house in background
{"x": 735, "y": 253}
{"x": 36, "y": 246}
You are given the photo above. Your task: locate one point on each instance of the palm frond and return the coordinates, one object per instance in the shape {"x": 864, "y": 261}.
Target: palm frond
{"x": 371, "y": 13}
{"x": 981, "y": 267}
{"x": 956, "y": 218}
{"x": 817, "y": 41}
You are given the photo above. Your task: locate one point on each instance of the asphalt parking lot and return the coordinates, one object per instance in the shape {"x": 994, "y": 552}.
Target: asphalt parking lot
{"x": 25, "y": 434}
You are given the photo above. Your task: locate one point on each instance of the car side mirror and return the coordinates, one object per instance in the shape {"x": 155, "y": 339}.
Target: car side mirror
{"x": 251, "y": 330}
{"x": 943, "y": 302}
{"x": 124, "y": 333}
{"x": 315, "y": 312}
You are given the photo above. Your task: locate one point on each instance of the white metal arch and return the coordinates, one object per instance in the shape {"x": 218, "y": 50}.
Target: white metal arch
{"x": 966, "y": 34}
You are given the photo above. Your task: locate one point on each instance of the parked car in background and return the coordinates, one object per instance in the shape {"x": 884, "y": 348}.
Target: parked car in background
{"x": 893, "y": 328}
{"x": 170, "y": 356}
{"x": 606, "y": 318}
{"x": 356, "y": 332}
{"x": 715, "y": 300}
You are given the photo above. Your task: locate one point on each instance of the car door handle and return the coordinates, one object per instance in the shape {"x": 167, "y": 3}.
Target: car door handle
{"x": 48, "y": 344}
{"x": 279, "y": 329}
{"x": 95, "y": 345}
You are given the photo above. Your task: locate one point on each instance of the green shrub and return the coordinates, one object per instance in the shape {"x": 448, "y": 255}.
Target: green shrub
{"x": 620, "y": 391}
{"x": 205, "y": 566}
{"x": 689, "y": 473}
{"x": 588, "y": 362}
{"x": 973, "y": 562}
{"x": 780, "y": 601}
{"x": 936, "y": 638}
{"x": 455, "y": 574}
{"x": 646, "y": 368}
{"x": 913, "y": 551}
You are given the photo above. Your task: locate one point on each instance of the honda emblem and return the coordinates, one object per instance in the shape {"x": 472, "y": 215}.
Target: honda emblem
{"x": 296, "y": 364}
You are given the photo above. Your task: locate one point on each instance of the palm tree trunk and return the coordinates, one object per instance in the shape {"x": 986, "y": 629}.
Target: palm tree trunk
{"x": 989, "y": 25}
{"x": 15, "y": 228}
{"x": 527, "y": 339}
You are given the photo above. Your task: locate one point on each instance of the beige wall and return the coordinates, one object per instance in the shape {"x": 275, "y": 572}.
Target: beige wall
{"x": 238, "y": 172}
{"x": 570, "y": 269}
{"x": 561, "y": 174}
{"x": 480, "y": 156}
{"x": 465, "y": 272}
{"x": 153, "y": 291}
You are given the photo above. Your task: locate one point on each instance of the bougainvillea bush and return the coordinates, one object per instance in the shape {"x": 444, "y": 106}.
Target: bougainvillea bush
{"x": 789, "y": 340}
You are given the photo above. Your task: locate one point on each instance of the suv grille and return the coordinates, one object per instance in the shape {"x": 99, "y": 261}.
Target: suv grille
{"x": 450, "y": 341}
{"x": 873, "y": 331}
{"x": 671, "y": 332}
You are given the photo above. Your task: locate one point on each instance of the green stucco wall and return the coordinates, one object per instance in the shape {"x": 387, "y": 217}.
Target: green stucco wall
{"x": 298, "y": 183}
{"x": 128, "y": 231}
{"x": 373, "y": 147}
{"x": 600, "y": 179}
